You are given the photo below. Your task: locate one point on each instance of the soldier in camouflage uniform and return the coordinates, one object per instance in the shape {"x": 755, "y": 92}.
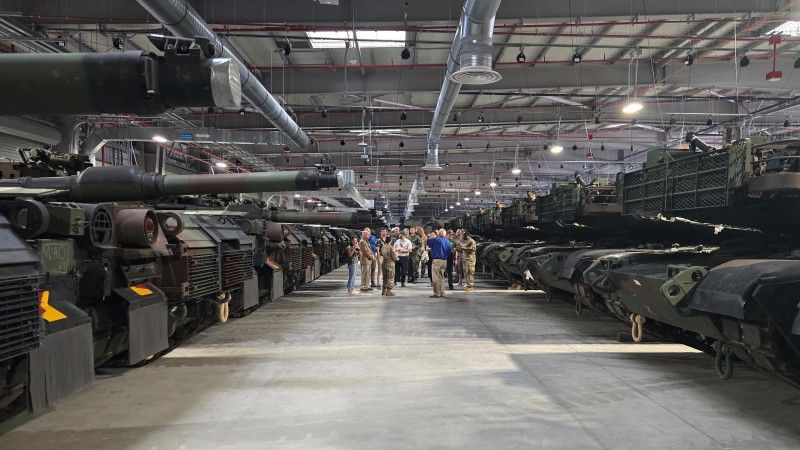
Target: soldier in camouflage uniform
{"x": 389, "y": 260}
{"x": 416, "y": 254}
{"x": 469, "y": 254}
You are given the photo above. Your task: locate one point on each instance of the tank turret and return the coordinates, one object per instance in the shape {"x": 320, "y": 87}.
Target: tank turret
{"x": 130, "y": 183}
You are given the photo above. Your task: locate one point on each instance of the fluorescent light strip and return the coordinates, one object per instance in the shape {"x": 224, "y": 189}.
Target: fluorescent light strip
{"x": 366, "y": 38}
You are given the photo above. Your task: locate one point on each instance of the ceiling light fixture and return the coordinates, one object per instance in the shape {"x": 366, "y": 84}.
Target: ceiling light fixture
{"x": 493, "y": 184}
{"x": 402, "y": 144}
{"x": 481, "y": 119}
{"x": 160, "y": 139}
{"x": 403, "y": 115}
{"x": 556, "y": 149}
{"x": 515, "y": 169}
{"x": 689, "y": 59}
{"x": 632, "y": 106}
{"x": 287, "y": 49}
{"x": 220, "y": 164}
{"x": 577, "y": 57}
{"x": 405, "y": 54}
{"x": 521, "y": 55}
{"x": 477, "y": 193}
{"x": 118, "y": 43}
{"x": 459, "y": 146}
{"x": 744, "y": 62}
{"x": 323, "y": 113}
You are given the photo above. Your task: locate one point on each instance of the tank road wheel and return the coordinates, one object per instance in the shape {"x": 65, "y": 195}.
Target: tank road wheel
{"x": 223, "y": 306}
{"x": 723, "y": 361}
{"x": 637, "y": 327}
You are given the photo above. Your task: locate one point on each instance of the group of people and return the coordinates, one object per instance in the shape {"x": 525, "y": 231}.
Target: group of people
{"x": 402, "y": 256}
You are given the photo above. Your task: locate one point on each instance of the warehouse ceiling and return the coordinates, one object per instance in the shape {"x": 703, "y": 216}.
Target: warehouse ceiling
{"x": 568, "y": 68}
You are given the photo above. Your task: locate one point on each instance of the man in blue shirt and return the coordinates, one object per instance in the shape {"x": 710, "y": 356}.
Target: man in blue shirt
{"x": 376, "y": 268}
{"x": 440, "y": 250}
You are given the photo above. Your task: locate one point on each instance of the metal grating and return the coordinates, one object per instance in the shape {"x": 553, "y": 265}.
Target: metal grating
{"x": 560, "y": 204}
{"x": 203, "y": 274}
{"x": 20, "y": 322}
{"x": 308, "y": 257}
{"x": 693, "y": 182}
{"x": 237, "y": 266}
{"x": 296, "y": 255}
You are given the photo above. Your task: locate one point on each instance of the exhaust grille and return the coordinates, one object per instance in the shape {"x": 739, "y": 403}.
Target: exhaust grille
{"x": 20, "y": 323}
{"x": 308, "y": 257}
{"x": 203, "y": 276}
{"x": 297, "y": 257}
{"x": 237, "y": 266}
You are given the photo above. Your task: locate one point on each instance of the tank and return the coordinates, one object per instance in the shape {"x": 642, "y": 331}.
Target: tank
{"x": 753, "y": 303}
{"x": 118, "y": 83}
{"x": 120, "y": 280}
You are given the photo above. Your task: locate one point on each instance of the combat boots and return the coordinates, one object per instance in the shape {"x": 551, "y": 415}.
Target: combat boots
{"x": 390, "y": 293}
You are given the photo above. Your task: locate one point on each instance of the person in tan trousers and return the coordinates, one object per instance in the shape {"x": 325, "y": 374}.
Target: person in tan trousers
{"x": 366, "y": 257}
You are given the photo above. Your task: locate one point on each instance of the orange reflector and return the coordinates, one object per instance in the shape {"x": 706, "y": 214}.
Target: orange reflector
{"x": 49, "y": 313}
{"x": 141, "y": 290}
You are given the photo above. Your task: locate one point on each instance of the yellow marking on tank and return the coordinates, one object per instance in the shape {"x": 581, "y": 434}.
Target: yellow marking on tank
{"x": 49, "y": 313}
{"x": 141, "y": 290}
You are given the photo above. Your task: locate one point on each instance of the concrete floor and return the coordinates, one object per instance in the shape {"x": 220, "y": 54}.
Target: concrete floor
{"x": 497, "y": 369}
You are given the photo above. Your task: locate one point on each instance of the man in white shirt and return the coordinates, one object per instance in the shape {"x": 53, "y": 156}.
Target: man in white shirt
{"x": 403, "y": 247}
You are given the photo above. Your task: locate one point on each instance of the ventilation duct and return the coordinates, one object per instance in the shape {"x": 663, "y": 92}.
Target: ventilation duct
{"x": 419, "y": 184}
{"x": 183, "y": 21}
{"x": 470, "y": 62}
{"x": 99, "y": 136}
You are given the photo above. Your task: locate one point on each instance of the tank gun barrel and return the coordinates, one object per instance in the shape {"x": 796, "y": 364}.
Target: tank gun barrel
{"x": 130, "y": 183}
{"x": 334, "y": 218}
{"x": 131, "y": 82}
